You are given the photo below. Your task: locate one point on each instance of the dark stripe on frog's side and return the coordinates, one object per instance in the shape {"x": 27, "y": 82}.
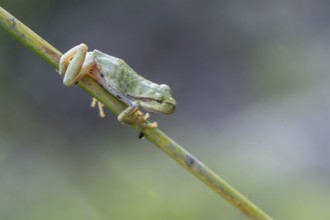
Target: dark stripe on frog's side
{"x": 105, "y": 84}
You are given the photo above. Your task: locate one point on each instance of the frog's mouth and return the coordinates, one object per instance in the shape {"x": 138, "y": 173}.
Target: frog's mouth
{"x": 155, "y": 106}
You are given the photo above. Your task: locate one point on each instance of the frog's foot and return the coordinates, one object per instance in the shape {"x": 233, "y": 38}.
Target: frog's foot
{"x": 99, "y": 106}
{"x": 133, "y": 116}
{"x": 149, "y": 125}
{"x": 141, "y": 114}
{"x": 141, "y": 119}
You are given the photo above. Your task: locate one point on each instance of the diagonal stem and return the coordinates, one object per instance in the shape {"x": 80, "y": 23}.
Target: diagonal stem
{"x": 156, "y": 136}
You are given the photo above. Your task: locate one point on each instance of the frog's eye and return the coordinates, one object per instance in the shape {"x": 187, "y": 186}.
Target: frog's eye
{"x": 164, "y": 89}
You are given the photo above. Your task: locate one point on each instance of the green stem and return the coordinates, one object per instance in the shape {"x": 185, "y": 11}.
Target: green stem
{"x": 156, "y": 136}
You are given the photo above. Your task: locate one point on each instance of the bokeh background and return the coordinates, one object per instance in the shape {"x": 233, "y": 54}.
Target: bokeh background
{"x": 252, "y": 85}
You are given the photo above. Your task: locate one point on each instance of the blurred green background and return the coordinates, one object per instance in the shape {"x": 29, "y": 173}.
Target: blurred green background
{"x": 251, "y": 81}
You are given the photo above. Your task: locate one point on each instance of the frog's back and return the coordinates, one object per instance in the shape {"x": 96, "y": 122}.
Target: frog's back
{"x": 119, "y": 75}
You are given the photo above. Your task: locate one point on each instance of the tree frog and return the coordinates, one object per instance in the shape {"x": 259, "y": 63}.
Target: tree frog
{"x": 121, "y": 81}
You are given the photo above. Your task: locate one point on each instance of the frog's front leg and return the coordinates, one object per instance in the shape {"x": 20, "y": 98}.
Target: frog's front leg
{"x": 72, "y": 65}
{"x": 133, "y": 116}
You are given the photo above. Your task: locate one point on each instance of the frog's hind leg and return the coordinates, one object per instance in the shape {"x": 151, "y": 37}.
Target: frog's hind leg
{"x": 72, "y": 66}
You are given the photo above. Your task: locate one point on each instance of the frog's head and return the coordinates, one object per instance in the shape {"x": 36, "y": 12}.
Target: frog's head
{"x": 160, "y": 101}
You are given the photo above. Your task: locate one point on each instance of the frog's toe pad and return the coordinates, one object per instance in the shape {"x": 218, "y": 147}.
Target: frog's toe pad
{"x": 152, "y": 125}
{"x": 146, "y": 116}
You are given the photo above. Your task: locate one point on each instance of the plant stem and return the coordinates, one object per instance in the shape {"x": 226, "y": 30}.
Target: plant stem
{"x": 156, "y": 136}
